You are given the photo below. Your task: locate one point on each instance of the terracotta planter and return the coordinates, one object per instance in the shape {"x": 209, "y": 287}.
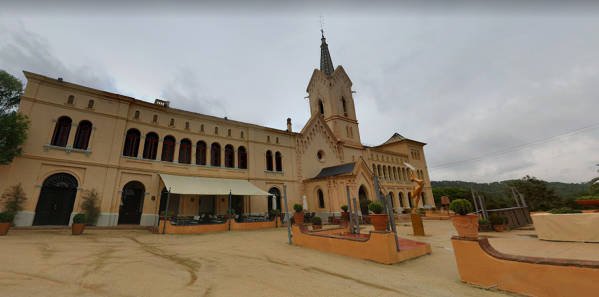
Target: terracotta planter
{"x": 467, "y": 226}
{"x": 345, "y": 216}
{"x": 588, "y": 202}
{"x": 298, "y": 217}
{"x": 498, "y": 228}
{"x": 316, "y": 227}
{"x": 379, "y": 221}
{"x": 4, "y": 228}
{"x": 77, "y": 229}
{"x": 484, "y": 228}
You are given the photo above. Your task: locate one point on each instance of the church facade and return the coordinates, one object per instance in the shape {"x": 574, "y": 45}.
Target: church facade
{"x": 83, "y": 139}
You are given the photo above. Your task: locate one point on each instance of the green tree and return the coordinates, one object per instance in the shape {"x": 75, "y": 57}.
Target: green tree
{"x": 13, "y": 199}
{"x": 451, "y": 192}
{"x": 13, "y": 126}
{"x": 537, "y": 194}
{"x": 89, "y": 206}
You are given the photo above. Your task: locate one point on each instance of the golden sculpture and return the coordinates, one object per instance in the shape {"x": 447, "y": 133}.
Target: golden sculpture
{"x": 417, "y": 191}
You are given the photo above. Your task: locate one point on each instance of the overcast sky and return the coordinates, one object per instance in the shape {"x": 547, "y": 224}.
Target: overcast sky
{"x": 496, "y": 92}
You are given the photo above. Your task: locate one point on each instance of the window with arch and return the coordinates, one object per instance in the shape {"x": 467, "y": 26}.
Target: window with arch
{"x": 229, "y": 132}
{"x": 343, "y": 104}
{"x": 390, "y": 195}
{"x": 201, "y": 153}
{"x": 379, "y": 170}
{"x": 374, "y": 169}
{"x": 186, "y": 125}
{"x": 215, "y": 154}
{"x": 320, "y": 195}
{"x": 90, "y": 104}
{"x": 279, "y": 161}
{"x": 215, "y": 130}
{"x": 242, "y": 158}
{"x": 229, "y": 156}
{"x": 131, "y": 143}
{"x": 400, "y": 198}
{"x": 136, "y": 114}
{"x": 71, "y": 99}
{"x": 385, "y": 172}
{"x": 410, "y": 199}
{"x": 168, "y": 149}
{"x": 202, "y": 128}
{"x": 185, "y": 151}
{"x": 422, "y": 196}
{"x": 61, "y": 131}
{"x": 172, "y": 123}
{"x": 155, "y": 119}
{"x": 241, "y": 134}
{"x": 151, "y": 146}
{"x": 269, "y": 161}
{"x": 395, "y": 173}
{"x": 84, "y": 131}
{"x": 320, "y": 107}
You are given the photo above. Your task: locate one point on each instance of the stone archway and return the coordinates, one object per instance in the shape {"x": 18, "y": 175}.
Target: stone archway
{"x": 132, "y": 202}
{"x": 363, "y": 199}
{"x": 277, "y": 193}
{"x": 57, "y": 197}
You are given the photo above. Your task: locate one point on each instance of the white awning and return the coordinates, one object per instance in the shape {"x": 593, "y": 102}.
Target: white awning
{"x": 209, "y": 186}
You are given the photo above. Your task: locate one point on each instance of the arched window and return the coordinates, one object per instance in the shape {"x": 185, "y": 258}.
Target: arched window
{"x": 320, "y": 198}
{"x": 229, "y": 156}
{"x": 379, "y": 170}
{"x": 90, "y": 104}
{"x": 390, "y": 195}
{"x": 269, "y": 160}
{"x": 423, "y": 201}
{"x": 403, "y": 174}
{"x": 385, "y": 172}
{"x": 395, "y": 173}
{"x": 344, "y": 106}
{"x": 400, "y": 198}
{"x": 374, "y": 169}
{"x": 155, "y": 119}
{"x": 84, "y": 130}
{"x": 320, "y": 107}
{"x": 201, "y": 153}
{"x": 151, "y": 146}
{"x": 215, "y": 154}
{"x": 168, "y": 149}
{"x": 185, "y": 151}
{"x": 71, "y": 99}
{"x": 61, "y": 131}
{"x": 136, "y": 114}
{"x": 131, "y": 143}
{"x": 242, "y": 158}
{"x": 278, "y": 161}
{"x": 410, "y": 199}
{"x": 172, "y": 123}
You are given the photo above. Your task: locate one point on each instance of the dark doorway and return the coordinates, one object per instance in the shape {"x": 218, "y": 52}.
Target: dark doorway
{"x": 237, "y": 204}
{"x": 132, "y": 202}
{"x": 275, "y": 192}
{"x": 56, "y": 200}
{"x": 363, "y": 196}
{"x": 173, "y": 203}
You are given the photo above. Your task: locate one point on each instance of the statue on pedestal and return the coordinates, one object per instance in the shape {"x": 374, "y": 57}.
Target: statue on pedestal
{"x": 417, "y": 225}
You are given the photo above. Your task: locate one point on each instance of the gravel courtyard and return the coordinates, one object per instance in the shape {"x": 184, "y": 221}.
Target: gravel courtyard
{"x": 250, "y": 263}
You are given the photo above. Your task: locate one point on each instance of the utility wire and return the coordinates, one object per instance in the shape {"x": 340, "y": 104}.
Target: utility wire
{"x": 515, "y": 148}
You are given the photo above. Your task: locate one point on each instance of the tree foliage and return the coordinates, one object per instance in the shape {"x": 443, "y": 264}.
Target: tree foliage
{"x": 13, "y": 126}
{"x": 538, "y": 195}
{"x": 89, "y": 206}
{"x": 13, "y": 199}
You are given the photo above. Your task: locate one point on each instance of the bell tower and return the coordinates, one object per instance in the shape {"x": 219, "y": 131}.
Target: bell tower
{"x": 331, "y": 97}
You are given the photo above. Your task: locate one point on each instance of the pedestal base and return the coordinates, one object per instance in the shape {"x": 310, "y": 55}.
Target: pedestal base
{"x": 417, "y": 225}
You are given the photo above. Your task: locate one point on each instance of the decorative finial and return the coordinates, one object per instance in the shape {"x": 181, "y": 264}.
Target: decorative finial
{"x": 322, "y": 26}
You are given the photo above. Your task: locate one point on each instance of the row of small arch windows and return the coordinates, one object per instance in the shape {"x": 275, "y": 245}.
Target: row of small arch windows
{"x": 172, "y": 124}
{"x": 60, "y": 137}
{"x": 150, "y": 150}
{"x": 410, "y": 199}
{"x": 394, "y": 173}
{"x": 343, "y": 104}
{"x": 71, "y": 100}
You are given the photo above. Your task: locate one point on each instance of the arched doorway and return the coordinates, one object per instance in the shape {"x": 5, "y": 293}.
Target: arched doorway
{"x": 275, "y": 192}
{"x": 56, "y": 200}
{"x": 132, "y": 202}
{"x": 363, "y": 196}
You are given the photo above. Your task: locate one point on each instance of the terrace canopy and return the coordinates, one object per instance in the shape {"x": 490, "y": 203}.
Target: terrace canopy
{"x": 190, "y": 185}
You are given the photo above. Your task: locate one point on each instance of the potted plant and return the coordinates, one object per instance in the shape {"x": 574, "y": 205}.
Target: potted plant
{"x": 378, "y": 219}
{"x": 316, "y": 223}
{"x": 498, "y": 222}
{"x": 79, "y": 222}
{"x": 345, "y": 214}
{"x": 299, "y": 214}
{"x": 6, "y": 219}
{"x": 484, "y": 225}
{"x": 466, "y": 224}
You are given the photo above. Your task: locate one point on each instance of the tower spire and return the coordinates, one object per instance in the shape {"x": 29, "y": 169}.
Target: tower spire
{"x": 326, "y": 64}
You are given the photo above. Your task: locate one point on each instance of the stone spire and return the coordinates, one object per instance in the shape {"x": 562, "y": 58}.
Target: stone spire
{"x": 326, "y": 64}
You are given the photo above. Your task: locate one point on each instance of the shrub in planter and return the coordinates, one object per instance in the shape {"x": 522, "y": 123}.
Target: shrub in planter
{"x": 13, "y": 199}
{"x": 6, "y": 219}
{"x": 299, "y": 214}
{"x": 345, "y": 214}
{"x": 378, "y": 219}
{"x": 465, "y": 224}
{"x": 316, "y": 223}
{"x": 484, "y": 225}
{"x": 344, "y": 207}
{"x": 498, "y": 222}
{"x": 79, "y": 221}
{"x": 89, "y": 206}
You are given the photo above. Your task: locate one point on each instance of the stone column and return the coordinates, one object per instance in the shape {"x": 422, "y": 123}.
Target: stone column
{"x": 159, "y": 150}
{"x": 176, "y": 152}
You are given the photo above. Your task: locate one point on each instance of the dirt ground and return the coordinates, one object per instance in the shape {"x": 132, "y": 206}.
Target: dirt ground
{"x": 249, "y": 263}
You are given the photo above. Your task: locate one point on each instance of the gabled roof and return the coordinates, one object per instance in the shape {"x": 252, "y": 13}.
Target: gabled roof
{"x": 395, "y": 138}
{"x": 336, "y": 170}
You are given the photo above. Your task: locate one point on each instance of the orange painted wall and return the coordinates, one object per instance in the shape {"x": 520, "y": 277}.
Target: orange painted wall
{"x": 480, "y": 268}
{"x": 199, "y": 229}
